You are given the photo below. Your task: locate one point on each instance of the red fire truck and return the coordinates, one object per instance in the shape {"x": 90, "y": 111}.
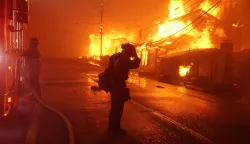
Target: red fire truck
{"x": 6, "y": 99}
{"x": 13, "y": 17}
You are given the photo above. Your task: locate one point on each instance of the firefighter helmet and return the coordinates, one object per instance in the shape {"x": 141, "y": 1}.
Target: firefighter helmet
{"x": 34, "y": 40}
{"x": 127, "y": 46}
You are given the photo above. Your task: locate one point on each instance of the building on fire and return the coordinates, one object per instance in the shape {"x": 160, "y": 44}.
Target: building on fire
{"x": 212, "y": 69}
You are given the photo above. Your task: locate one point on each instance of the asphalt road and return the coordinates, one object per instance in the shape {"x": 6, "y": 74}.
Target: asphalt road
{"x": 13, "y": 129}
{"x": 158, "y": 113}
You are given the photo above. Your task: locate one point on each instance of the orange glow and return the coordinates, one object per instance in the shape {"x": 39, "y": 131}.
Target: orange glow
{"x": 9, "y": 67}
{"x": 177, "y": 28}
{"x": 184, "y": 70}
{"x": 172, "y": 28}
{"x": 169, "y": 27}
{"x": 220, "y": 33}
{"x": 93, "y": 63}
{"x": 206, "y": 5}
{"x": 237, "y": 25}
{"x": 144, "y": 57}
{"x": 9, "y": 100}
{"x": 111, "y": 43}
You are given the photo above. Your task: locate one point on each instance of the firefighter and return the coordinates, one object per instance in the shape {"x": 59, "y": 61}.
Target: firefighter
{"x": 32, "y": 56}
{"x": 120, "y": 63}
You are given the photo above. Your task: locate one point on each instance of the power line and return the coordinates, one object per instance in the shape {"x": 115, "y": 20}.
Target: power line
{"x": 191, "y": 22}
{"x": 155, "y": 19}
{"x": 189, "y": 30}
{"x": 193, "y": 9}
{"x": 165, "y": 15}
{"x": 185, "y": 15}
{"x": 160, "y": 17}
{"x": 195, "y": 4}
{"x": 90, "y": 23}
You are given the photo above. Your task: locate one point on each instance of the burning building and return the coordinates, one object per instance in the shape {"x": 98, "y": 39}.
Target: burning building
{"x": 187, "y": 46}
{"x": 195, "y": 20}
{"x": 214, "y": 70}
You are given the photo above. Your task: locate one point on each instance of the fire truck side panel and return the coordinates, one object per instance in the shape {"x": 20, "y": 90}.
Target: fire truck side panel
{"x": 2, "y": 64}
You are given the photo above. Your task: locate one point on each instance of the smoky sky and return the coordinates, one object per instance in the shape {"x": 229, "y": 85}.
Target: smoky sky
{"x": 63, "y": 26}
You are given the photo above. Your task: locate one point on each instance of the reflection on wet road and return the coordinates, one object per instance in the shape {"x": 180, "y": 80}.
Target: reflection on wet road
{"x": 178, "y": 109}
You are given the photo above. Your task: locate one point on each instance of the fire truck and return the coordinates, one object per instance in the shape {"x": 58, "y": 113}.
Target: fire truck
{"x": 13, "y": 22}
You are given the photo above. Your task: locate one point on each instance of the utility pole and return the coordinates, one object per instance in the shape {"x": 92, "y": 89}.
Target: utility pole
{"x": 101, "y": 29}
{"x": 140, "y": 35}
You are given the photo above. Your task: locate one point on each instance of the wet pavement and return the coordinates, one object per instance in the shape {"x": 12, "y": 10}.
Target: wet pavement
{"x": 13, "y": 129}
{"x": 51, "y": 129}
{"x": 219, "y": 119}
{"x": 33, "y": 124}
{"x": 159, "y": 113}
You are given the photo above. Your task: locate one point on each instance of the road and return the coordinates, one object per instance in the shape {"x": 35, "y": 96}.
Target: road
{"x": 13, "y": 129}
{"x": 159, "y": 113}
{"x": 33, "y": 123}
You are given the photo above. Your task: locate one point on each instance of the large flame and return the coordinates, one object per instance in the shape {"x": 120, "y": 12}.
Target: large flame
{"x": 184, "y": 70}
{"x": 179, "y": 27}
{"x": 110, "y": 43}
{"x": 205, "y": 6}
{"x": 169, "y": 27}
{"x": 170, "y": 30}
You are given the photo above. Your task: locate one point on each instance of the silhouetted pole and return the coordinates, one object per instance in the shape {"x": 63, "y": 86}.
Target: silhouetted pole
{"x": 101, "y": 29}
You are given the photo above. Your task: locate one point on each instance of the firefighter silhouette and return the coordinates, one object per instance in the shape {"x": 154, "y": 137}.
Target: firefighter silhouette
{"x": 120, "y": 63}
{"x": 33, "y": 63}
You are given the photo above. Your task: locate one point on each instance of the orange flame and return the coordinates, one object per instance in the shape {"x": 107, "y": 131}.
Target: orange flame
{"x": 111, "y": 43}
{"x": 173, "y": 27}
{"x": 177, "y": 28}
{"x": 184, "y": 70}
{"x": 206, "y": 5}
{"x": 9, "y": 100}
{"x": 220, "y": 33}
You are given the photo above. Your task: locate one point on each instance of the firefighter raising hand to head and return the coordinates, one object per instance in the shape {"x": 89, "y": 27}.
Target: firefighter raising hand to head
{"x": 120, "y": 64}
